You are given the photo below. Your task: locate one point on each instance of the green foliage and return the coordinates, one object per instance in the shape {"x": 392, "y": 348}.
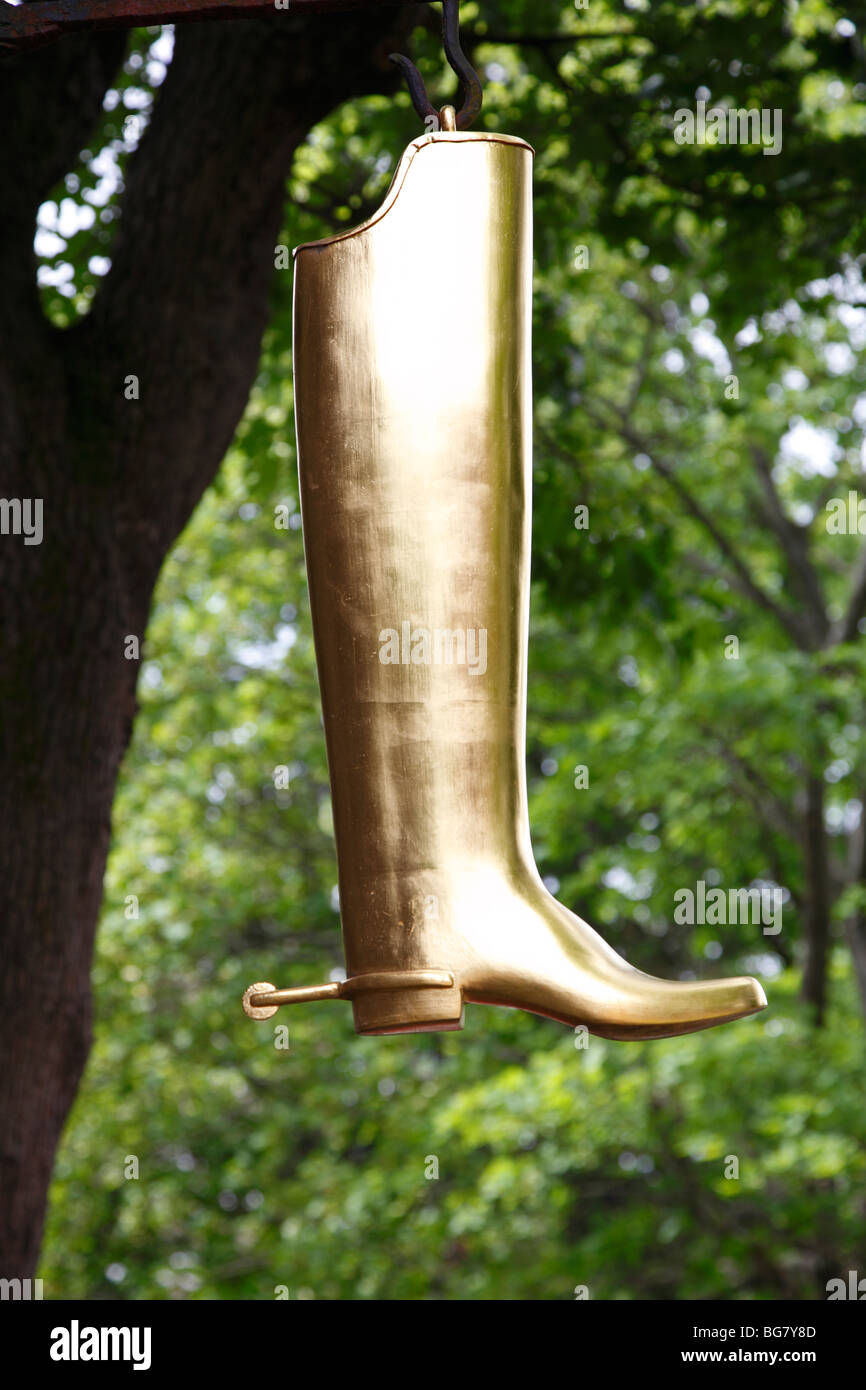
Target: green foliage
{"x": 262, "y": 1167}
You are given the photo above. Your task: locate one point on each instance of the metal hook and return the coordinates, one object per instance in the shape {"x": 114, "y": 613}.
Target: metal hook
{"x": 470, "y": 82}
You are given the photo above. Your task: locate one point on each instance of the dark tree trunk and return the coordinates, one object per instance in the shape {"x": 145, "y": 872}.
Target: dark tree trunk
{"x": 183, "y": 308}
{"x": 855, "y": 926}
{"x": 856, "y": 933}
{"x": 818, "y": 900}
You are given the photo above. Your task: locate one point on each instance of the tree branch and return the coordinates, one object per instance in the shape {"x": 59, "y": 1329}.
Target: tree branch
{"x": 775, "y": 814}
{"x": 49, "y": 104}
{"x": 186, "y": 300}
{"x": 666, "y": 470}
{"x": 477, "y": 36}
{"x": 794, "y": 542}
{"x": 846, "y": 629}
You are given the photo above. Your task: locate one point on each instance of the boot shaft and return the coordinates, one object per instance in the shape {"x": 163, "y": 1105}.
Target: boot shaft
{"x": 413, "y": 407}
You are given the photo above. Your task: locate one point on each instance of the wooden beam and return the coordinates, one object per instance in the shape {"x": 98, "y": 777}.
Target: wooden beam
{"x": 30, "y": 25}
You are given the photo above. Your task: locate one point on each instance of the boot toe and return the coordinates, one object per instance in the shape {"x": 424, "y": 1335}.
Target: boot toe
{"x": 671, "y": 1008}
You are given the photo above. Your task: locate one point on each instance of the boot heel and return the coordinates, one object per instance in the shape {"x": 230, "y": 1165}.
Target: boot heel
{"x": 430, "y": 1002}
{"x": 383, "y": 1001}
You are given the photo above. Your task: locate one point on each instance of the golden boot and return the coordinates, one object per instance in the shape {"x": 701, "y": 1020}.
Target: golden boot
{"x": 413, "y": 408}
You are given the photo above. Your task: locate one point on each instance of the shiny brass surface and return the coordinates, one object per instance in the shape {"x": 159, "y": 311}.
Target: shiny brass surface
{"x": 254, "y": 1000}
{"x": 413, "y": 407}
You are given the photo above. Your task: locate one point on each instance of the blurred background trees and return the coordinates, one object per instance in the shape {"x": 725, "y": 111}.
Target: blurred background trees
{"x": 700, "y": 324}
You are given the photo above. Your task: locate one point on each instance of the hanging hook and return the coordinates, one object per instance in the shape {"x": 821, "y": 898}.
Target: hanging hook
{"x": 470, "y": 82}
